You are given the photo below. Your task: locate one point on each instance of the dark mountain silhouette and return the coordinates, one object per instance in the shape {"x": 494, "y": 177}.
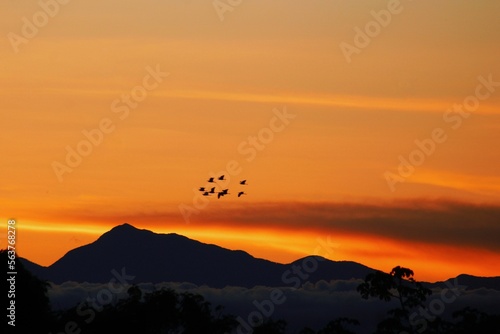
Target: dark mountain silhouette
{"x": 32, "y": 267}
{"x": 152, "y": 257}
{"x": 473, "y": 282}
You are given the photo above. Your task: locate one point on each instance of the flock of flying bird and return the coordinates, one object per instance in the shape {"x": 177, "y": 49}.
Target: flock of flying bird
{"x": 221, "y": 193}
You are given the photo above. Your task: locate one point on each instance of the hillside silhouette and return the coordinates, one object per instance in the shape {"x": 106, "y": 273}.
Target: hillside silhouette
{"x": 152, "y": 257}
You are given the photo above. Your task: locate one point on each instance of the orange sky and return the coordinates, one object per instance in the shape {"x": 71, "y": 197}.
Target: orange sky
{"x": 349, "y": 123}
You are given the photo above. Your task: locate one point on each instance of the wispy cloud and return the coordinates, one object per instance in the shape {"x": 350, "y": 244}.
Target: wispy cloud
{"x": 374, "y": 103}
{"x": 442, "y": 222}
{"x": 477, "y": 184}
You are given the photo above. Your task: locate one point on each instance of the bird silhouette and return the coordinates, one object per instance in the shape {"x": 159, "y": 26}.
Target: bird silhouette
{"x": 223, "y": 192}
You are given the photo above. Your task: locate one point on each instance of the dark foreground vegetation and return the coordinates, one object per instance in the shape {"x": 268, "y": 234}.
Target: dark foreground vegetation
{"x": 167, "y": 311}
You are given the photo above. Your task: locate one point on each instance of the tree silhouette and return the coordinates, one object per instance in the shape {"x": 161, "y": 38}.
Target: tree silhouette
{"x": 271, "y": 327}
{"x": 160, "y": 309}
{"x": 337, "y": 326}
{"x": 398, "y": 285}
{"x": 473, "y": 321}
{"x": 159, "y": 312}
{"x": 333, "y": 327}
{"x": 196, "y": 316}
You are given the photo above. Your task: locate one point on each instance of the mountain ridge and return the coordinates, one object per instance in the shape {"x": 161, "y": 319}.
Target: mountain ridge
{"x": 154, "y": 257}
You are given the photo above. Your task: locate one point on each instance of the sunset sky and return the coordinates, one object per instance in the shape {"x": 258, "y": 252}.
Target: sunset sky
{"x": 289, "y": 95}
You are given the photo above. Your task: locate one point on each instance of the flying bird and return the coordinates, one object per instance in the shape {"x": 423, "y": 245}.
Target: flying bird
{"x": 223, "y": 192}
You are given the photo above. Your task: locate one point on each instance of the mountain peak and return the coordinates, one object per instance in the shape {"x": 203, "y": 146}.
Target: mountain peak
{"x": 124, "y": 227}
{"x": 127, "y": 230}
{"x": 124, "y": 232}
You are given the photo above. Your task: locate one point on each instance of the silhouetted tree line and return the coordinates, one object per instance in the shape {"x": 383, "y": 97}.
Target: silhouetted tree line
{"x": 166, "y": 311}
{"x": 162, "y": 311}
